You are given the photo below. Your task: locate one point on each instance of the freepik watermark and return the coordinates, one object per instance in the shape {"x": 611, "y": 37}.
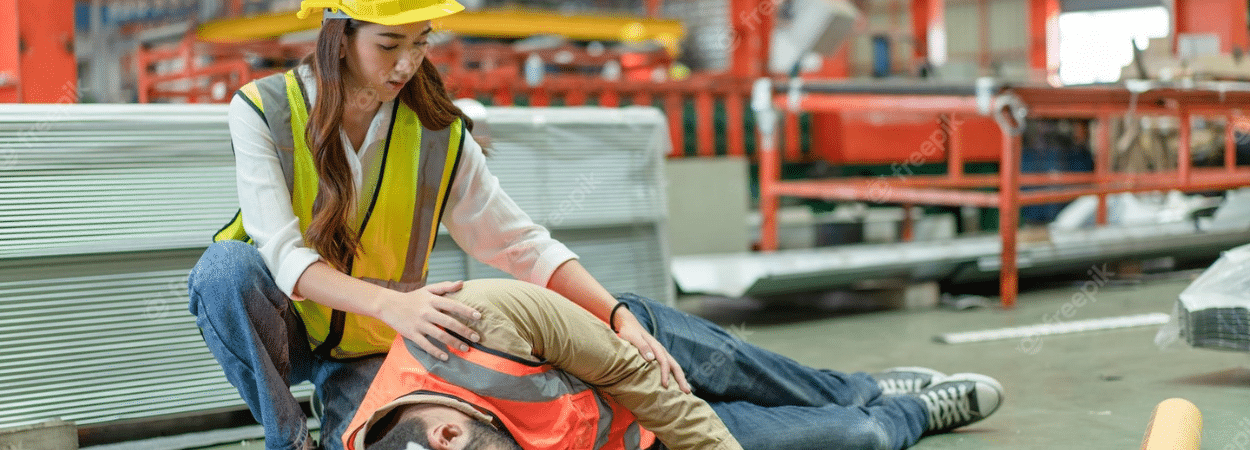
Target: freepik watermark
{"x": 586, "y": 184}
{"x": 725, "y": 352}
{"x": 752, "y": 20}
{"x": 1088, "y": 293}
{"x": 1241, "y": 440}
{"x": 159, "y": 305}
{"x": 32, "y": 134}
{"x": 933, "y": 147}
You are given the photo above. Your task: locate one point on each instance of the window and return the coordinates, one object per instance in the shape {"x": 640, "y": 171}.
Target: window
{"x": 1095, "y": 45}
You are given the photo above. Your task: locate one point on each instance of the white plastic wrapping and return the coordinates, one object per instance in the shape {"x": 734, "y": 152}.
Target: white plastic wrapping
{"x": 1212, "y": 311}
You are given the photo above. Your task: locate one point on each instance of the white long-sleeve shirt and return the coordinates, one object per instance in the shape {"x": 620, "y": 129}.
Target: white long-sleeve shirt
{"x": 481, "y": 218}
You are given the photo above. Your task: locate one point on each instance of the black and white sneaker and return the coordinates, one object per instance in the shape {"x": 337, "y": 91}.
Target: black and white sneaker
{"x": 961, "y": 399}
{"x": 907, "y": 380}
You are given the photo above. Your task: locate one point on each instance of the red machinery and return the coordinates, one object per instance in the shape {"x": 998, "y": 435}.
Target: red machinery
{"x": 37, "y": 52}
{"x": 1009, "y": 106}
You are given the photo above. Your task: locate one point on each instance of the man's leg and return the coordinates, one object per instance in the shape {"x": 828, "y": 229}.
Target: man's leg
{"x": 887, "y": 423}
{"x": 341, "y": 386}
{"x": 722, "y": 367}
{"x": 249, "y": 326}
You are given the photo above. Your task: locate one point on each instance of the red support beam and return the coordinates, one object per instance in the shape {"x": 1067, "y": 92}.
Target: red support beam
{"x": 540, "y": 97}
{"x": 793, "y": 137}
{"x": 653, "y": 8}
{"x": 928, "y": 24}
{"x": 1044, "y": 39}
{"x": 641, "y": 98}
{"x": 750, "y": 30}
{"x": 40, "y": 36}
{"x": 575, "y": 97}
{"x": 1102, "y": 164}
{"x": 705, "y": 128}
{"x": 1184, "y": 153}
{"x": 1009, "y": 217}
{"x": 954, "y": 147}
{"x": 10, "y": 59}
{"x": 609, "y": 98}
{"x": 770, "y": 177}
{"x": 674, "y": 107}
{"x": 1224, "y": 18}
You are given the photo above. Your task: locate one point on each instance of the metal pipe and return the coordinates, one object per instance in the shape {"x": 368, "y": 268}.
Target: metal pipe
{"x": 954, "y": 148}
{"x": 770, "y": 170}
{"x": 1184, "y": 154}
{"x": 922, "y": 104}
{"x": 1230, "y": 144}
{"x": 883, "y": 194}
{"x": 705, "y": 130}
{"x": 1102, "y": 165}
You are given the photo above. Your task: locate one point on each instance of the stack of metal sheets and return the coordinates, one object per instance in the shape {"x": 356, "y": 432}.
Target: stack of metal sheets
{"x": 104, "y": 209}
{"x": 1212, "y": 312}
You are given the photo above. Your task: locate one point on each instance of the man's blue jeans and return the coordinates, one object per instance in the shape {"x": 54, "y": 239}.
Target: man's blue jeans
{"x": 769, "y": 401}
{"x": 252, "y": 329}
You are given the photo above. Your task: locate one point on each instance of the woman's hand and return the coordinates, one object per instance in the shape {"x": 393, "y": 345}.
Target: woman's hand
{"x": 425, "y": 312}
{"x": 630, "y": 330}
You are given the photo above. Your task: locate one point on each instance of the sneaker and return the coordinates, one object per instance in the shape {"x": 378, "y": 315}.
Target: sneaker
{"x": 907, "y": 380}
{"x": 961, "y": 399}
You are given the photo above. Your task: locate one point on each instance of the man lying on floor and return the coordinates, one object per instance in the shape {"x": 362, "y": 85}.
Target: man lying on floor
{"x": 549, "y": 375}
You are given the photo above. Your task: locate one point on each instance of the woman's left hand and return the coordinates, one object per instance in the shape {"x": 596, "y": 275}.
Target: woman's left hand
{"x": 651, "y": 350}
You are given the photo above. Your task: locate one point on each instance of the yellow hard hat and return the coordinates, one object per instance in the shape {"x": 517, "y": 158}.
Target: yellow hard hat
{"x": 385, "y": 12}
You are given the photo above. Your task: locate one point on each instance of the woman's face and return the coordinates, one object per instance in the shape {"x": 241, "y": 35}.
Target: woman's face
{"x": 381, "y": 59}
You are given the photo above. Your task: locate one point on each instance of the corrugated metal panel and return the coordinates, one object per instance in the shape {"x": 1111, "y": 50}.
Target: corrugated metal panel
{"x": 107, "y": 178}
{"x": 104, "y": 209}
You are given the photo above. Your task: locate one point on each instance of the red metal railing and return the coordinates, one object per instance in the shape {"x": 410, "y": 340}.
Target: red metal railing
{"x": 958, "y": 189}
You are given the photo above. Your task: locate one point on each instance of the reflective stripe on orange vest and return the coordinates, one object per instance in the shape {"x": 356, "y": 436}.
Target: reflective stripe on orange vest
{"x": 543, "y": 408}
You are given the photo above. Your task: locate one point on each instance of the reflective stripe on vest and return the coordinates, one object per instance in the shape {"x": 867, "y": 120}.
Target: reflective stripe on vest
{"x": 541, "y": 407}
{"x": 398, "y": 228}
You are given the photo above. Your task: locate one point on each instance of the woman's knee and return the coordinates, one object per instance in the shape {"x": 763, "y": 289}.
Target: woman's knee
{"x": 225, "y": 267}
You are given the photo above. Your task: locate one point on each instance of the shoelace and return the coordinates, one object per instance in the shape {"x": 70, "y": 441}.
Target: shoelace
{"x": 892, "y": 386}
{"x": 948, "y": 406}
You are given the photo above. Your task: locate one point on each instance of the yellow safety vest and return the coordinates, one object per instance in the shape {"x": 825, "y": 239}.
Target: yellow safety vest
{"x": 398, "y": 229}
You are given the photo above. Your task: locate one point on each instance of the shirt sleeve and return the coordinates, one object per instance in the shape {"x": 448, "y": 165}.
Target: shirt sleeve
{"x": 491, "y": 228}
{"x": 571, "y": 339}
{"x": 265, "y": 199}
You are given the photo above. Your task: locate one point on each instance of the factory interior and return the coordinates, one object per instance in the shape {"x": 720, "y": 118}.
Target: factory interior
{"x": 1051, "y": 193}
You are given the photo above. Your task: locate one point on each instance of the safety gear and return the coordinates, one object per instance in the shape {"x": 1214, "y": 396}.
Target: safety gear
{"x": 538, "y": 405}
{"x": 385, "y": 12}
{"x": 397, "y": 229}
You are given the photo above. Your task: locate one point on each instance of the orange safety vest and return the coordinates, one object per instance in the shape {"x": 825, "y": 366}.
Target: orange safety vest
{"x": 542, "y": 407}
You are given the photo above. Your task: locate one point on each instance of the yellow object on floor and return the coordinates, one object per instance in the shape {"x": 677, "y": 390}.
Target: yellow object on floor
{"x": 1175, "y": 425}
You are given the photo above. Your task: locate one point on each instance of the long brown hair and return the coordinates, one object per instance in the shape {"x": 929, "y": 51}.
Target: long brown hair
{"x": 330, "y": 232}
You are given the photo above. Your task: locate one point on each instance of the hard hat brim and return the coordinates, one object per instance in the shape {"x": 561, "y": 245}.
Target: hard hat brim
{"x": 435, "y": 11}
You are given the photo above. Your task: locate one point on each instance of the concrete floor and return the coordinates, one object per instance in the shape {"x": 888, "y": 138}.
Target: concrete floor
{"x": 1092, "y": 390}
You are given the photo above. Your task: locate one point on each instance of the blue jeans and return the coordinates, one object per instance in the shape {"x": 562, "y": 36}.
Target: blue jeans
{"x": 252, "y": 329}
{"x": 769, "y": 401}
